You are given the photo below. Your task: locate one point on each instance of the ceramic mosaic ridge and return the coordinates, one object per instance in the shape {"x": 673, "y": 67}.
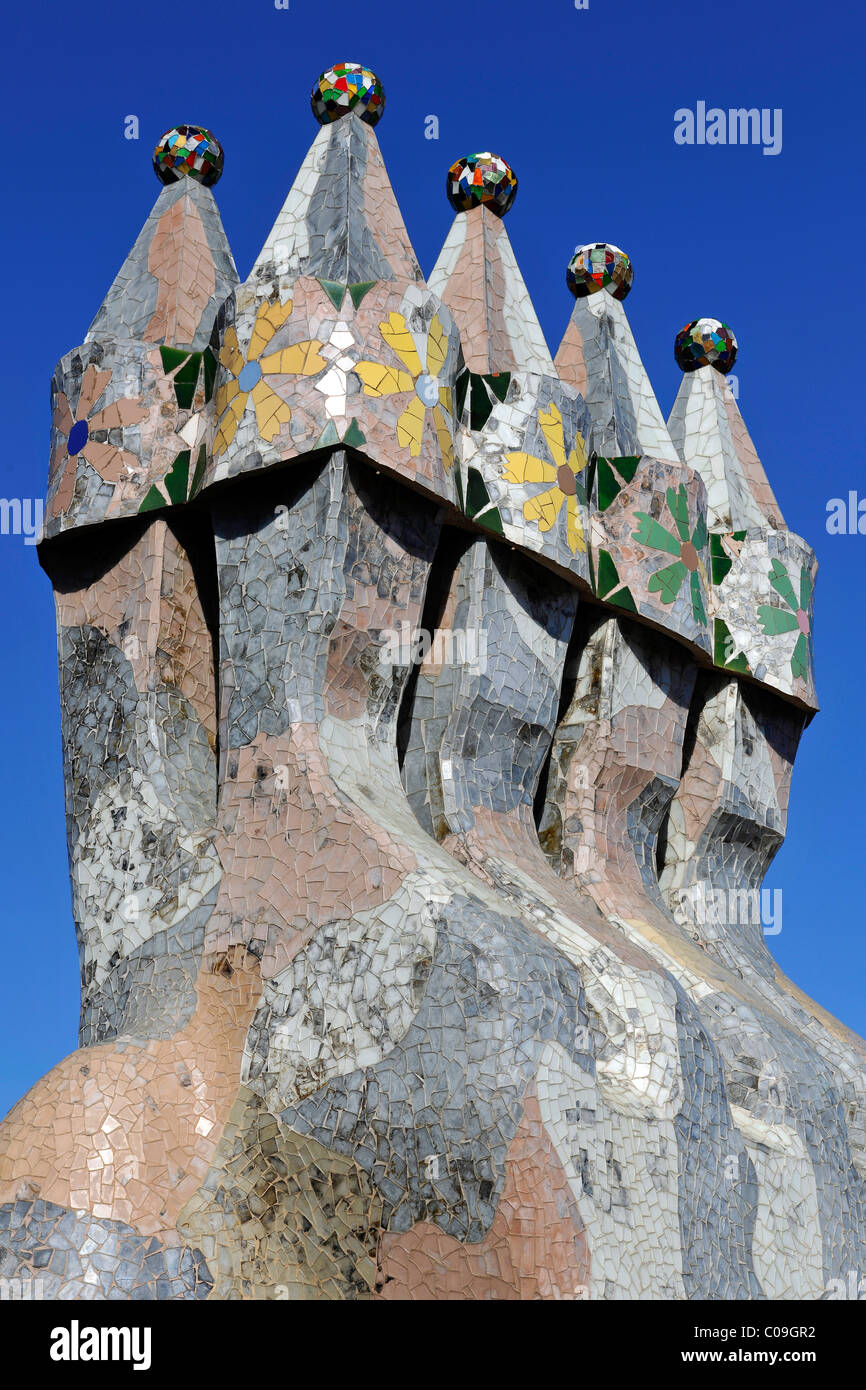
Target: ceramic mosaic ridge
{"x": 187, "y": 378}
{"x": 420, "y": 794}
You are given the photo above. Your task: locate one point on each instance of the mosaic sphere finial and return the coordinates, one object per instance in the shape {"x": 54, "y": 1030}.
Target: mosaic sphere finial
{"x": 481, "y": 179}
{"x": 190, "y": 151}
{"x": 347, "y": 87}
{"x": 599, "y": 266}
{"x": 706, "y": 343}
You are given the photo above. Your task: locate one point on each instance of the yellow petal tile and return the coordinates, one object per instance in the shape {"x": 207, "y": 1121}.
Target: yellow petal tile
{"x": 230, "y": 354}
{"x": 577, "y": 459}
{"x": 383, "y": 381}
{"x": 443, "y": 434}
{"x": 271, "y": 412}
{"x": 574, "y": 526}
{"x": 437, "y": 347}
{"x": 229, "y": 423}
{"x": 399, "y": 339}
{"x": 225, "y": 395}
{"x": 545, "y": 508}
{"x": 410, "y": 426}
{"x": 301, "y": 359}
{"x": 269, "y": 318}
{"x": 526, "y": 468}
{"x": 551, "y": 427}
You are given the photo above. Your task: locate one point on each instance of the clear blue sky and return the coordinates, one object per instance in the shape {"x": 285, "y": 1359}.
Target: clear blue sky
{"x": 582, "y": 104}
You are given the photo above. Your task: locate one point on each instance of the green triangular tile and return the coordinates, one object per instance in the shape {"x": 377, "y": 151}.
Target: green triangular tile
{"x": 172, "y": 357}
{"x": 458, "y": 483}
{"x": 477, "y": 496}
{"x": 189, "y": 371}
{"x": 153, "y": 500}
{"x": 626, "y": 467}
{"x": 198, "y": 476}
{"x": 721, "y": 641}
{"x": 623, "y": 599}
{"x": 460, "y": 388}
{"x": 606, "y": 574}
{"x": 492, "y": 520}
{"x": 335, "y": 292}
{"x": 354, "y": 435}
{"x": 608, "y": 487}
{"x": 177, "y": 480}
{"x": 499, "y": 383}
{"x": 210, "y": 367}
{"x": 480, "y": 404}
{"x": 328, "y": 436}
{"x": 720, "y": 561}
{"x": 186, "y": 380}
{"x": 358, "y": 291}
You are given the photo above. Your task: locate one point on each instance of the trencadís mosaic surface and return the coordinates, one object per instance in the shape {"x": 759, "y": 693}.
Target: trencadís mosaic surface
{"x": 429, "y": 709}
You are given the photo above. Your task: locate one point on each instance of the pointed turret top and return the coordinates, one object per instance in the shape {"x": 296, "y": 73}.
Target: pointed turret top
{"x": 710, "y": 434}
{"x": 340, "y": 221}
{"x": 477, "y": 275}
{"x": 599, "y": 356}
{"x": 180, "y": 269}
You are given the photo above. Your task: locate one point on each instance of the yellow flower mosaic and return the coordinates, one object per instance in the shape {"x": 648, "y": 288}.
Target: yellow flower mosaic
{"x": 423, "y": 381}
{"x": 249, "y": 376}
{"x": 568, "y": 488}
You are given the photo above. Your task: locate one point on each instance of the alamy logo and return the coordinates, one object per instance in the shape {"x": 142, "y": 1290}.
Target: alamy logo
{"x": 851, "y": 1287}
{"x": 76, "y": 1343}
{"x": 21, "y": 516}
{"x": 700, "y": 906}
{"x": 737, "y": 126}
{"x": 846, "y": 517}
{"x": 408, "y": 646}
{"x": 21, "y": 1290}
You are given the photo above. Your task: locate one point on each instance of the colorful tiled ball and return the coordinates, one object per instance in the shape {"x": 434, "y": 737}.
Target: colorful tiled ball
{"x": 705, "y": 343}
{"x": 191, "y": 151}
{"x": 347, "y": 87}
{"x": 599, "y": 266}
{"x": 481, "y": 179}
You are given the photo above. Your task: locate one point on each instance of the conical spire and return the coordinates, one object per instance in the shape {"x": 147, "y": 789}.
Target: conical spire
{"x": 131, "y": 404}
{"x": 598, "y": 355}
{"x": 340, "y": 222}
{"x": 335, "y": 338}
{"x": 176, "y": 276}
{"x": 711, "y": 436}
{"x": 478, "y": 277}
{"x": 523, "y": 460}
{"x": 763, "y": 576}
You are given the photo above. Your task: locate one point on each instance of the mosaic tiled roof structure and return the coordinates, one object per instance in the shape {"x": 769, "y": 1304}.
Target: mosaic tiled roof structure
{"x": 429, "y": 714}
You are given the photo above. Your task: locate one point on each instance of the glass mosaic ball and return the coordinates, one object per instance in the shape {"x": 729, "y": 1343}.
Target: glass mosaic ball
{"x": 705, "y": 343}
{"x": 189, "y": 150}
{"x": 347, "y": 87}
{"x": 481, "y": 179}
{"x": 599, "y": 266}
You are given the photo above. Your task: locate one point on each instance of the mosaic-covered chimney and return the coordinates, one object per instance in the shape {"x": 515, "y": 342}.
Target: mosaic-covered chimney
{"x": 429, "y": 710}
